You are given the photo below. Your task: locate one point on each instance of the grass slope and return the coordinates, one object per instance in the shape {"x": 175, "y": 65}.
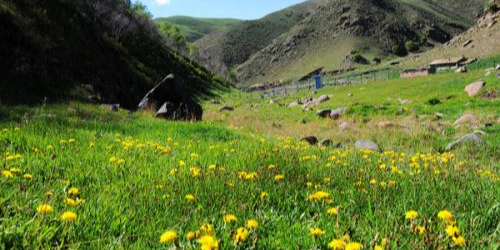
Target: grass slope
{"x": 194, "y": 28}
{"x": 140, "y": 177}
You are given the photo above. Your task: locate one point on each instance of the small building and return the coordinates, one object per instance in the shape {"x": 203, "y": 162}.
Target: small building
{"x": 446, "y": 64}
{"x": 410, "y": 73}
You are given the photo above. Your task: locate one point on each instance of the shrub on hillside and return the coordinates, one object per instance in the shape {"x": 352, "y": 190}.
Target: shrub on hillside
{"x": 411, "y": 46}
{"x": 399, "y": 50}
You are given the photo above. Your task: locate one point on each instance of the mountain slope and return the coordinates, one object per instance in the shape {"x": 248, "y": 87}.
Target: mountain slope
{"x": 480, "y": 41}
{"x": 374, "y": 28}
{"x": 195, "y": 28}
{"x": 222, "y": 51}
{"x": 63, "y": 49}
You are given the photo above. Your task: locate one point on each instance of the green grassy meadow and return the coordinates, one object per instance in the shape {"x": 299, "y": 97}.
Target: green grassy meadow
{"x": 134, "y": 182}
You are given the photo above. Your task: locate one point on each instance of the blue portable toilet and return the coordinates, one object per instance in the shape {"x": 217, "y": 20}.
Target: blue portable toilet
{"x": 317, "y": 78}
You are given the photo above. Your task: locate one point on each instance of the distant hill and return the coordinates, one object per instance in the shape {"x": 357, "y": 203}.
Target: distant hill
{"x": 65, "y": 50}
{"x": 195, "y": 28}
{"x": 290, "y": 43}
{"x": 222, "y": 51}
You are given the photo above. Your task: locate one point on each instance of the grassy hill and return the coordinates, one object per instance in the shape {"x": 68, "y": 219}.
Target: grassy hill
{"x": 337, "y": 28}
{"x": 64, "y": 50}
{"x": 195, "y": 28}
{"x": 78, "y": 176}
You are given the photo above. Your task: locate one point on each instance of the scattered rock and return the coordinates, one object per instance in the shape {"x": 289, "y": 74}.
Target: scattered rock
{"x": 461, "y": 70}
{"x": 316, "y": 102}
{"x": 438, "y": 116}
{"x": 272, "y": 102}
{"x": 498, "y": 75}
{"x": 111, "y": 107}
{"x": 474, "y": 88}
{"x": 293, "y": 104}
{"x": 346, "y": 126}
{"x": 324, "y": 113}
{"x": 226, "y": 108}
{"x": 404, "y": 102}
{"x": 497, "y": 67}
{"x": 467, "y": 118}
{"x": 336, "y": 114}
{"x": 325, "y": 143}
{"x": 468, "y": 138}
{"x": 366, "y": 145}
{"x": 312, "y": 140}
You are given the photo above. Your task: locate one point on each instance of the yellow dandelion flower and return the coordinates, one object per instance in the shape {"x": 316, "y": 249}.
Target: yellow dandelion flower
{"x": 446, "y": 216}
{"x": 15, "y": 170}
{"x": 68, "y": 216}
{"x": 252, "y": 224}
{"x": 230, "y": 218}
{"x": 7, "y": 174}
{"x": 337, "y": 244}
{"x": 207, "y": 229}
{"x": 279, "y": 177}
{"x": 168, "y": 237}
{"x": 73, "y": 191}
{"x": 28, "y": 176}
{"x": 191, "y": 236}
{"x": 378, "y": 248}
{"x": 79, "y": 201}
{"x": 316, "y": 232}
{"x": 241, "y": 235}
{"x": 421, "y": 230}
{"x": 333, "y": 211}
{"x": 411, "y": 215}
{"x": 195, "y": 172}
{"x": 459, "y": 241}
{"x": 208, "y": 242}
{"x": 70, "y": 202}
{"x": 452, "y": 231}
{"x": 190, "y": 197}
{"x": 182, "y": 163}
{"x": 50, "y": 147}
{"x": 173, "y": 172}
{"x": 264, "y": 195}
{"x": 353, "y": 246}
{"x": 44, "y": 209}
{"x": 318, "y": 195}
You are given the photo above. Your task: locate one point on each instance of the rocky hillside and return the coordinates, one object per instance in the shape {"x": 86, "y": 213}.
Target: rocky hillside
{"x": 223, "y": 51}
{"x": 333, "y": 31}
{"x": 195, "y": 28}
{"x": 480, "y": 41}
{"x": 57, "y": 50}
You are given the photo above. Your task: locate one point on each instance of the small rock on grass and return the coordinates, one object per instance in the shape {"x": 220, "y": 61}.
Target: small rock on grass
{"x": 366, "y": 145}
{"x": 473, "y": 139}
{"x": 312, "y": 140}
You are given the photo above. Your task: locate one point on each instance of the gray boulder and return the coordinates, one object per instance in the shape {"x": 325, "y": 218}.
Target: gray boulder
{"x": 404, "y": 102}
{"x": 329, "y": 143}
{"x": 336, "y": 114}
{"x": 468, "y": 138}
{"x": 467, "y": 118}
{"x": 474, "y": 88}
{"x": 312, "y": 140}
{"x": 346, "y": 126}
{"x": 366, "y": 145}
{"x": 172, "y": 90}
{"x": 315, "y": 102}
{"x": 324, "y": 113}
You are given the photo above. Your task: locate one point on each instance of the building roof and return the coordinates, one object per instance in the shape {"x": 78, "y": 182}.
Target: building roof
{"x": 448, "y": 61}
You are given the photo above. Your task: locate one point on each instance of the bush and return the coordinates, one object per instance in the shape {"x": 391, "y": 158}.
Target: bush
{"x": 434, "y": 101}
{"x": 399, "y": 50}
{"x": 491, "y": 7}
{"x": 411, "y": 46}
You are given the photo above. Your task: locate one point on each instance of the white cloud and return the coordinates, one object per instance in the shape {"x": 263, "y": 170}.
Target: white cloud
{"x": 163, "y": 2}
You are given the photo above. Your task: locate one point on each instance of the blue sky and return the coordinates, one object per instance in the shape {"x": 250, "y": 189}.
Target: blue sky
{"x": 241, "y": 9}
